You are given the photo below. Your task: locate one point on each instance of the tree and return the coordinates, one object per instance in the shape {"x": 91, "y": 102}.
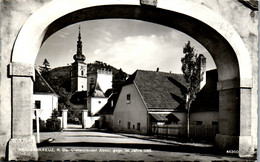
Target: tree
{"x": 44, "y": 70}
{"x": 53, "y": 123}
{"x": 64, "y": 98}
{"x": 191, "y": 69}
{"x": 54, "y": 114}
{"x": 118, "y": 80}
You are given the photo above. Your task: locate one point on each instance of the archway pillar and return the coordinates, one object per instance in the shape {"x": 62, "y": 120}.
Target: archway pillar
{"x": 235, "y": 118}
{"x": 22, "y": 145}
{"x": 246, "y": 146}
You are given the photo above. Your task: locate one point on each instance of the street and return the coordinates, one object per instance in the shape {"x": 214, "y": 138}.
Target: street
{"x": 79, "y": 144}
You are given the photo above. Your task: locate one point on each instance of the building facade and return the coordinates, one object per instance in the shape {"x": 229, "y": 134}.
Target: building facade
{"x": 148, "y": 98}
{"x": 130, "y": 114}
{"x": 152, "y": 99}
{"x": 44, "y": 97}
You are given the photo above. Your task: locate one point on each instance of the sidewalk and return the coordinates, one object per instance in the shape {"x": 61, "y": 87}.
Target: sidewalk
{"x": 192, "y": 147}
{"x": 168, "y": 141}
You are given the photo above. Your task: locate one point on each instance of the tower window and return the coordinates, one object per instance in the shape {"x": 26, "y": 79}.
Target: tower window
{"x": 82, "y": 72}
{"x": 128, "y": 98}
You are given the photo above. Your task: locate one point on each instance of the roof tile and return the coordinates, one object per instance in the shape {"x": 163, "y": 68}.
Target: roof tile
{"x": 40, "y": 85}
{"x": 158, "y": 91}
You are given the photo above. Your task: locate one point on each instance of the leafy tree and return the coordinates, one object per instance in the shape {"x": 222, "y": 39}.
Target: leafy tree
{"x": 64, "y": 99}
{"x": 192, "y": 74}
{"x": 45, "y": 69}
{"x": 54, "y": 114}
{"x": 65, "y": 103}
{"x": 118, "y": 81}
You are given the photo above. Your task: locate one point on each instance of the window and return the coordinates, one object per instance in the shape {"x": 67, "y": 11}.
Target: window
{"x": 197, "y": 122}
{"x": 138, "y": 126}
{"x": 160, "y": 123}
{"x": 99, "y": 102}
{"x": 215, "y": 123}
{"x": 128, "y": 125}
{"x": 128, "y": 98}
{"x": 133, "y": 126}
{"x": 82, "y": 72}
{"x": 112, "y": 103}
{"x": 37, "y": 104}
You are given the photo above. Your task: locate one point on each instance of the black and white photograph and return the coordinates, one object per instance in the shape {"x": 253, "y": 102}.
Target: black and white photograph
{"x": 129, "y": 80}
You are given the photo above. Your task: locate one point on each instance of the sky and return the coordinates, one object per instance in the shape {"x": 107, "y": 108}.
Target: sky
{"x": 122, "y": 43}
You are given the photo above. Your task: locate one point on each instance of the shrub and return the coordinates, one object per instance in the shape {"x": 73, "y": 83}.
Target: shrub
{"x": 42, "y": 125}
{"x": 53, "y": 125}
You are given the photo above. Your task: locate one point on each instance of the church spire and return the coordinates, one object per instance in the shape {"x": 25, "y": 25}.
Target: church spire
{"x": 79, "y": 57}
{"x": 79, "y": 45}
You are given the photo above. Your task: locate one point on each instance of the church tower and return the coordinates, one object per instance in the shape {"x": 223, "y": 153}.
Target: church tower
{"x": 79, "y": 69}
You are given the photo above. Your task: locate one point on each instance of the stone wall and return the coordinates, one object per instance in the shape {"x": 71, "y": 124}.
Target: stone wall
{"x": 14, "y": 13}
{"x": 245, "y": 22}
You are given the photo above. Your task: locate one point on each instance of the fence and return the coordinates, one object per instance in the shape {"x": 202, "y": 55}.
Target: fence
{"x": 204, "y": 133}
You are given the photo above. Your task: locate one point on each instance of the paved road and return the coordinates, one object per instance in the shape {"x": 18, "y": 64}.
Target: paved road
{"x": 99, "y": 146}
{"x": 98, "y": 137}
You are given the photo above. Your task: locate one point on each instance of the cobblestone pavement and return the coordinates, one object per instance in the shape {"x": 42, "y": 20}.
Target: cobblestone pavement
{"x": 80, "y": 145}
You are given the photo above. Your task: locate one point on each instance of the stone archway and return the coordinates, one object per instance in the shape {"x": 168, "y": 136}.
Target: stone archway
{"x": 225, "y": 45}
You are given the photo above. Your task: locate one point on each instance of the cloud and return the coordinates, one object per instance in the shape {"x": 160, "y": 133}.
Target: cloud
{"x": 108, "y": 39}
{"x": 63, "y": 34}
{"x": 141, "y": 52}
{"x": 147, "y": 52}
{"x": 102, "y": 34}
{"x": 125, "y": 45}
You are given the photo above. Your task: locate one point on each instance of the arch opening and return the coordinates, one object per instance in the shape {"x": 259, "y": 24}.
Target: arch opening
{"x": 217, "y": 46}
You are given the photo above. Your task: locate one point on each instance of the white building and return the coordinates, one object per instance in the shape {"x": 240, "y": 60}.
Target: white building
{"x": 44, "y": 97}
{"x": 102, "y": 77}
{"x": 148, "y": 98}
{"x": 153, "y": 99}
{"x": 96, "y": 100}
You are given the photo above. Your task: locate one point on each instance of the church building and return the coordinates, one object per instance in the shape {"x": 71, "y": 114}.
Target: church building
{"x": 79, "y": 69}
{"x": 90, "y": 86}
